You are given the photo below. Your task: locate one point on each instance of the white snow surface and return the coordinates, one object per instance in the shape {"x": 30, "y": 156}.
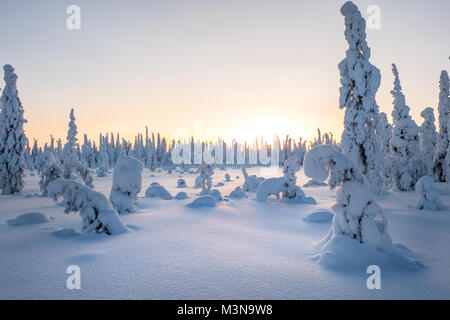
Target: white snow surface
{"x": 240, "y": 249}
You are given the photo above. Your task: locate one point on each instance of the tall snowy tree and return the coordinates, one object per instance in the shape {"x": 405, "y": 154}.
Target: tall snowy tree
{"x": 359, "y": 84}
{"x": 406, "y": 162}
{"x": 72, "y": 165}
{"x": 427, "y": 139}
{"x": 384, "y": 132}
{"x": 12, "y": 136}
{"x": 439, "y": 169}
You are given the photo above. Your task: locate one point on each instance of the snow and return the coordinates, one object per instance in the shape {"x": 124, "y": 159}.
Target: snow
{"x": 28, "y": 218}
{"x": 241, "y": 249}
{"x": 429, "y": 195}
{"x": 314, "y": 183}
{"x": 158, "y": 191}
{"x": 203, "y": 201}
{"x": 181, "y": 183}
{"x": 319, "y": 216}
{"x": 181, "y": 195}
{"x": 237, "y": 193}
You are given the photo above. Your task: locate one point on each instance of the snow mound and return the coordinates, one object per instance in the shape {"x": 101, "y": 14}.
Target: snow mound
{"x": 204, "y": 201}
{"x": 181, "y": 183}
{"x": 65, "y": 233}
{"x": 271, "y": 186}
{"x": 314, "y": 183}
{"x": 319, "y": 216}
{"x": 155, "y": 184}
{"x": 158, "y": 191}
{"x": 227, "y": 177}
{"x": 342, "y": 253}
{"x": 28, "y": 218}
{"x": 181, "y": 195}
{"x": 216, "y": 194}
{"x": 429, "y": 195}
{"x": 219, "y": 184}
{"x": 237, "y": 193}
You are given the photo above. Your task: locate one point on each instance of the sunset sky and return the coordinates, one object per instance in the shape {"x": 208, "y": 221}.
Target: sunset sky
{"x": 234, "y": 68}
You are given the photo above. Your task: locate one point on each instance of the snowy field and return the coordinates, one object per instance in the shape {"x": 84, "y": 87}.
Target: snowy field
{"x": 241, "y": 249}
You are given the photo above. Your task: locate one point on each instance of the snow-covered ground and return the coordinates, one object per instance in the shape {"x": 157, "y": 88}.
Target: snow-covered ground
{"x": 240, "y": 249}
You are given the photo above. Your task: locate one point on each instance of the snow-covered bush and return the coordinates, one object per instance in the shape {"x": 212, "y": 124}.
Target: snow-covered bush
{"x": 181, "y": 183}
{"x": 50, "y": 172}
{"x": 429, "y": 195}
{"x": 428, "y": 139}
{"x": 96, "y": 212}
{"x": 12, "y": 137}
{"x": 227, "y": 177}
{"x": 203, "y": 201}
{"x": 357, "y": 214}
{"x": 127, "y": 183}
{"x": 439, "y": 168}
{"x": 405, "y": 164}
{"x": 158, "y": 191}
{"x": 359, "y": 84}
{"x": 275, "y": 186}
{"x": 237, "y": 193}
{"x": 216, "y": 194}
{"x": 251, "y": 183}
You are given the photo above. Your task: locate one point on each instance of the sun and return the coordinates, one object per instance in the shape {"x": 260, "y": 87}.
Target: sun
{"x": 254, "y": 129}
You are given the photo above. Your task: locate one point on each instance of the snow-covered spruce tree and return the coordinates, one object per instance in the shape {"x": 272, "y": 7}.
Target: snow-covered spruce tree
{"x": 359, "y": 84}
{"x": 206, "y": 172}
{"x": 439, "y": 169}
{"x": 51, "y": 171}
{"x": 405, "y": 162}
{"x": 72, "y": 165}
{"x": 384, "y": 132}
{"x": 127, "y": 183}
{"x": 357, "y": 214}
{"x": 96, "y": 213}
{"x": 428, "y": 139}
{"x": 290, "y": 190}
{"x": 12, "y": 136}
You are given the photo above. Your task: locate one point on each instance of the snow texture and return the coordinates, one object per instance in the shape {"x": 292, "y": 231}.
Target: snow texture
{"x": 28, "y": 218}
{"x": 314, "y": 183}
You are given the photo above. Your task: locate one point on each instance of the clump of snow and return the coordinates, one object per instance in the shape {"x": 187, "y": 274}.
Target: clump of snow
{"x": 127, "y": 183}
{"x": 158, "y": 191}
{"x": 65, "y": 233}
{"x": 97, "y": 214}
{"x": 237, "y": 193}
{"x": 429, "y": 195}
{"x": 227, "y": 177}
{"x": 181, "y": 183}
{"x": 314, "y": 183}
{"x": 181, "y": 195}
{"x": 203, "y": 201}
{"x": 216, "y": 194}
{"x": 319, "y": 216}
{"x": 28, "y": 218}
{"x": 219, "y": 184}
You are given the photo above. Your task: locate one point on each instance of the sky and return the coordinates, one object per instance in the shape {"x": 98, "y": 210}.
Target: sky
{"x": 234, "y": 68}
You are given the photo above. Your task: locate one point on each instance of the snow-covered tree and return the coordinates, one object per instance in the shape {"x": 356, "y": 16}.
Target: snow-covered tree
{"x": 429, "y": 195}
{"x": 384, "y": 132}
{"x": 206, "y": 172}
{"x": 428, "y": 139}
{"x": 405, "y": 162}
{"x": 72, "y": 165}
{"x": 359, "y": 84}
{"x": 439, "y": 169}
{"x": 96, "y": 213}
{"x": 251, "y": 182}
{"x": 357, "y": 214}
{"x": 50, "y": 172}
{"x": 127, "y": 183}
{"x": 12, "y": 136}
